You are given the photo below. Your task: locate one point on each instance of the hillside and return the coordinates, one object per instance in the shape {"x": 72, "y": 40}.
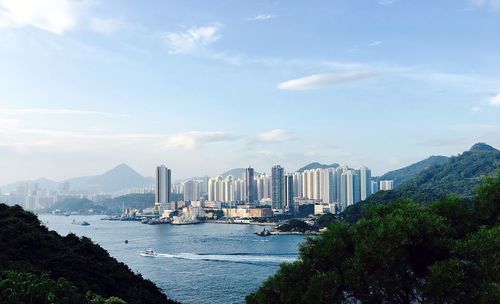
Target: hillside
{"x": 317, "y": 165}
{"x": 460, "y": 175}
{"x": 405, "y": 252}
{"x": 28, "y": 247}
{"x": 403, "y": 175}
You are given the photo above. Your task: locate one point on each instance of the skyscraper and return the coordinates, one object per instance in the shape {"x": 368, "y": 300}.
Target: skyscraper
{"x": 366, "y": 177}
{"x": 278, "y": 191}
{"x": 163, "y": 186}
{"x": 192, "y": 190}
{"x": 249, "y": 186}
{"x": 289, "y": 201}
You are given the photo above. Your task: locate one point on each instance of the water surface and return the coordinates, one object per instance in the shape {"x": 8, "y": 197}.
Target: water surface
{"x": 205, "y": 263}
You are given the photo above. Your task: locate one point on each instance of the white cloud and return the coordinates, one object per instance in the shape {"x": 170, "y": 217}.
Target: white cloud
{"x": 189, "y": 40}
{"x": 105, "y": 25}
{"x": 263, "y": 17}
{"x": 276, "y": 135}
{"x": 495, "y": 100}
{"x": 196, "y": 139}
{"x": 318, "y": 81}
{"x": 56, "y": 16}
{"x": 493, "y": 4}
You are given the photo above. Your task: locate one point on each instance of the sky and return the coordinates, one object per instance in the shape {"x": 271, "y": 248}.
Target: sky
{"x": 206, "y": 86}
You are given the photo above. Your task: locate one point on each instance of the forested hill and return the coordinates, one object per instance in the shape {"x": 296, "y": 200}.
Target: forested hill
{"x": 28, "y": 247}
{"x": 460, "y": 175}
{"x": 404, "y": 174}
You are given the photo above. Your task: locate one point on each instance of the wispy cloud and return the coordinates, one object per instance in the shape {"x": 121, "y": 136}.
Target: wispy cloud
{"x": 56, "y": 16}
{"x": 196, "y": 139}
{"x": 106, "y": 25}
{"x": 375, "y": 43}
{"x": 387, "y": 2}
{"x": 495, "y": 100}
{"x": 493, "y": 4}
{"x": 25, "y": 111}
{"x": 262, "y": 17}
{"x": 187, "y": 41}
{"x": 318, "y": 81}
{"x": 273, "y": 136}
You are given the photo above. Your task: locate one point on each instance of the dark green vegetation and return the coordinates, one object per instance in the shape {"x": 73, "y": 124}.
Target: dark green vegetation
{"x": 81, "y": 205}
{"x": 317, "y": 165}
{"x": 403, "y": 252}
{"x": 403, "y": 175}
{"x": 460, "y": 175}
{"x": 28, "y": 247}
{"x": 21, "y": 287}
{"x": 294, "y": 225}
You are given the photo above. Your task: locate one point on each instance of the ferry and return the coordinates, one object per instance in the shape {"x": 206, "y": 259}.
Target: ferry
{"x": 148, "y": 253}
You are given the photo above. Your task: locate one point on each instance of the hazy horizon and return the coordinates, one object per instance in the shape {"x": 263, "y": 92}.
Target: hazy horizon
{"x": 204, "y": 87}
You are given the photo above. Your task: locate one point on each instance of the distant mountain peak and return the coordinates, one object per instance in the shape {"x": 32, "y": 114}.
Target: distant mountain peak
{"x": 482, "y": 147}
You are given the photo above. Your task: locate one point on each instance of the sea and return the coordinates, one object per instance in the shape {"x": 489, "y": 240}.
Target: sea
{"x": 203, "y": 263}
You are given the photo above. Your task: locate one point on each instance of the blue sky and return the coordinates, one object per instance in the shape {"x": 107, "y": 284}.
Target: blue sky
{"x": 205, "y": 86}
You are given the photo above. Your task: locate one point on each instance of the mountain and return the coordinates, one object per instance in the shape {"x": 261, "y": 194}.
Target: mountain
{"x": 29, "y": 247}
{"x": 237, "y": 172}
{"x": 460, "y": 175}
{"x": 317, "y": 165}
{"x": 404, "y": 174}
{"x": 119, "y": 178}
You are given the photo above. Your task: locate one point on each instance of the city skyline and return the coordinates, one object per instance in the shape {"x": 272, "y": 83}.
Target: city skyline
{"x": 90, "y": 84}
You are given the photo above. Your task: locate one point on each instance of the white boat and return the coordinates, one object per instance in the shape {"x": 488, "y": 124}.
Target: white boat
{"x": 179, "y": 220}
{"x": 148, "y": 253}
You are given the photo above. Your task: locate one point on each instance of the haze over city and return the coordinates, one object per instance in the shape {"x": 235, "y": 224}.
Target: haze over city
{"x": 208, "y": 86}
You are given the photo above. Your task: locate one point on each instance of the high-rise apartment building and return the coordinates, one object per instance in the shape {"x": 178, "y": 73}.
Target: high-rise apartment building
{"x": 250, "y": 192}
{"x": 278, "y": 190}
{"x": 386, "y": 185}
{"x": 163, "y": 186}
{"x": 289, "y": 195}
{"x": 192, "y": 190}
{"x": 366, "y": 185}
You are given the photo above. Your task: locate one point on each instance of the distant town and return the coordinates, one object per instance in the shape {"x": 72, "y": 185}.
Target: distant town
{"x": 239, "y": 194}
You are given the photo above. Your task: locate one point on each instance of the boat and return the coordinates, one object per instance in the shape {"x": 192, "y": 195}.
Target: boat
{"x": 148, "y": 253}
{"x": 83, "y": 223}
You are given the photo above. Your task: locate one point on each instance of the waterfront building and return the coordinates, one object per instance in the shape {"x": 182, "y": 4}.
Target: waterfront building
{"x": 249, "y": 186}
{"x": 192, "y": 190}
{"x": 289, "y": 196}
{"x": 278, "y": 190}
{"x": 163, "y": 186}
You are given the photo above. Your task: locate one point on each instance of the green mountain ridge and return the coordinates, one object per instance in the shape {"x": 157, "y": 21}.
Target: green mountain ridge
{"x": 404, "y": 174}
{"x": 460, "y": 176}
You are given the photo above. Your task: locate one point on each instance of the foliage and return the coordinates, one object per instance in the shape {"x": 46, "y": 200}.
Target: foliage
{"x": 27, "y": 246}
{"x": 404, "y": 252}
{"x": 317, "y": 165}
{"x": 22, "y": 287}
{"x": 294, "y": 225}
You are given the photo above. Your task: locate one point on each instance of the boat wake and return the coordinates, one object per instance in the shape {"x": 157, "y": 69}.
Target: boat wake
{"x": 235, "y": 258}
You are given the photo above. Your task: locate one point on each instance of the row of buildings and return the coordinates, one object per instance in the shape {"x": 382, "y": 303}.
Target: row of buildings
{"x": 338, "y": 187}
